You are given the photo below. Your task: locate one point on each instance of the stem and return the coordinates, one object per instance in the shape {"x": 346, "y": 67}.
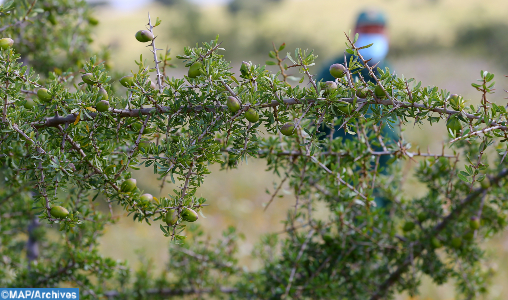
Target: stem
{"x": 154, "y": 51}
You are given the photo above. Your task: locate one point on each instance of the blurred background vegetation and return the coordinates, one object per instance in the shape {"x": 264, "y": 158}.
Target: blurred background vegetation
{"x": 439, "y": 42}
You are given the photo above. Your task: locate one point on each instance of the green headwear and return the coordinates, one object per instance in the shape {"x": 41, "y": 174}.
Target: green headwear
{"x": 371, "y": 17}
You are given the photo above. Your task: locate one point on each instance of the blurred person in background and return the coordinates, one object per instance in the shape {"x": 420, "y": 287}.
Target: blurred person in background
{"x": 372, "y": 29}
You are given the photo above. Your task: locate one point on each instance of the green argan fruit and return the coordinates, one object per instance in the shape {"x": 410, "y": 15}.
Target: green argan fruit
{"x": 52, "y": 19}
{"x": 233, "y": 104}
{"x": 29, "y": 103}
{"x": 408, "y": 226}
{"x": 457, "y": 102}
{"x": 454, "y": 125}
{"x": 103, "y": 94}
{"x": 144, "y": 144}
{"x": 59, "y": 212}
{"x": 328, "y": 238}
{"x": 102, "y": 106}
{"x": 378, "y": 91}
{"x": 6, "y": 43}
{"x": 345, "y": 108}
{"x": 456, "y": 242}
{"x": 195, "y": 70}
{"x": 362, "y": 93}
{"x": 329, "y": 87}
{"x": 92, "y": 21}
{"x": 337, "y": 70}
{"x": 436, "y": 243}
{"x": 189, "y": 215}
{"x": 422, "y": 217}
{"x": 145, "y": 199}
{"x": 128, "y": 185}
{"x": 252, "y": 115}
{"x": 474, "y": 223}
{"x": 485, "y": 183}
{"x": 47, "y": 7}
{"x": 245, "y": 69}
{"x": 127, "y": 81}
{"x": 44, "y": 95}
{"x": 469, "y": 236}
{"x": 171, "y": 217}
{"x": 144, "y": 36}
{"x": 137, "y": 127}
{"x": 88, "y": 78}
{"x": 288, "y": 129}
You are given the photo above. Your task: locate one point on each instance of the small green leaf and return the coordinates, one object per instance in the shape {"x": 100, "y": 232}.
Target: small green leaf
{"x": 464, "y": 178}
{"x": 158, "y": 22}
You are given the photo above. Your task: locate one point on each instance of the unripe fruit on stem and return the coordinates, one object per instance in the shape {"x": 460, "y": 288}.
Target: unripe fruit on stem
{"x": 195, "y": 70}
{"x": 144, "y": 144}
{"x": 59, "y": 212}
{"x": 144, "y": 36}
{"x": 93, "y": 21}
{"x": 128, "y": 185}
{"x": 245, "y": 69}
{"x": 6, "y": 43}
{"x": 288, "y": 129}
{"x": 127, "y": 81}
{"x": 52, "y": 19}
{"x": 469, "y": 236}
{"x": 457, "y": 102}
{"x": 233, "y": 104}
{"x": 362, "y": 93}
{"x": 29, "y": 103}
{"x": 328, "y": 238}
{"x": 102, "y": 106}
{"x": 252, "y": 115}
{"x": 44, "y": 95}
{"x": 88, "y": 78}
{"x": 422, "y": 217}
{"x": 145, "y": 199}
{"x": 337, "y": 70}
{"x": 408, "y": 226}
{"x": 329, "y": 87}
{"x": 474, "y": 223}
{"x": 456, "y": 242}
{"x": 485, "y": 183}
{"x": 345, "y": 108}
{"x": 436, "y": 243}
{"x": 171, "y": 217}
{"x": 189, "y": 215}
{"x": 378, "y": 91}
{"x": 137, "y": 127}
{"x": 103, "y": 94}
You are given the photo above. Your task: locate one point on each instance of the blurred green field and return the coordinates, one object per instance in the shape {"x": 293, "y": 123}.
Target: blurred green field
{"x": 236, "y": 197}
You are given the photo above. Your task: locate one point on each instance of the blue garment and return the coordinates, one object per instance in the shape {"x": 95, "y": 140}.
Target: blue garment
{"x": 389, "y": 134}
{"x": 378, "y": 49}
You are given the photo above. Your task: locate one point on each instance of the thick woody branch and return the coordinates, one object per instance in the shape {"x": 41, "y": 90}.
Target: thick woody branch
{"x": 126, "y": 113}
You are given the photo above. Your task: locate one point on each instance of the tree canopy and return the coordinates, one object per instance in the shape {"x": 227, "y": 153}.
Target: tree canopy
{"x": 71, "y": 135}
